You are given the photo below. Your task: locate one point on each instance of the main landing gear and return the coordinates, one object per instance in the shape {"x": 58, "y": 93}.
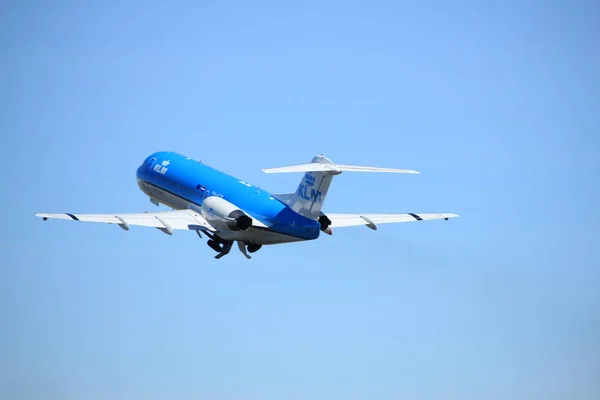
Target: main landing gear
{"x": 219, "y": 245}
{"x": 225, "y": 250}
{"x": 223, "y": 247}
{"x": 214, "y": 245}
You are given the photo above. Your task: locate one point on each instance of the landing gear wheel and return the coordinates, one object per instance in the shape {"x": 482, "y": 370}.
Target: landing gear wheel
{"x": 253, "y": 247}
{"x": 226, "y": 248}
{"x": 215, "y": 246}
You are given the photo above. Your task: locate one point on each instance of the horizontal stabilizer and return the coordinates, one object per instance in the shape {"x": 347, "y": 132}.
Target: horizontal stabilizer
{"x": 334, "y": 169}
{"x": 311, "y": 167}
{"x": 356, "y": 168}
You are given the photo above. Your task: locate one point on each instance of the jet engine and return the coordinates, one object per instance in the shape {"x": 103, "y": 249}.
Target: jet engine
{"x": 223, "y": 214}
{"x": 325, "y": 224}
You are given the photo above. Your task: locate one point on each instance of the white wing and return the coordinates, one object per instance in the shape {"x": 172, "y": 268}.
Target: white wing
{"x": 166, "y": 221}
{"x": 371, "y": 220}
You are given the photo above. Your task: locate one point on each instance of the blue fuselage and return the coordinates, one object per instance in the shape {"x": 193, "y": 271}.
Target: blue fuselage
{"x": 190, "y": 182}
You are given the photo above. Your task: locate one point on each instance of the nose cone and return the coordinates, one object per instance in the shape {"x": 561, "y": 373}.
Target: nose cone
{"x": 144, "y": 168}
{"x": 138, "y": 173}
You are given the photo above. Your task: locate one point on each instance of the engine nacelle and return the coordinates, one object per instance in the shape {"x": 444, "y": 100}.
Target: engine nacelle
{"x": 224, "y": 215}
{"x": 325, "y": 224}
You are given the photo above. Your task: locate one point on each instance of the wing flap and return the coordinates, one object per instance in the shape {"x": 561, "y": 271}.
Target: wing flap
{"x": 343, "y": 220}
{"x": 179, "y": 219}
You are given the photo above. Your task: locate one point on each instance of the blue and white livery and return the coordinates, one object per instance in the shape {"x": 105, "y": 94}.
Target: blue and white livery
{"x": 228, "y": 210}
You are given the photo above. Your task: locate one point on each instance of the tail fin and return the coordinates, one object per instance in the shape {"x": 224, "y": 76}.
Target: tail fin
{"x": 312, "y": 190}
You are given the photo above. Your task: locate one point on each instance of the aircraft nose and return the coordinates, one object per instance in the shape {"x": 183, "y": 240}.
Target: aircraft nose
{"x": 143, "y": 168}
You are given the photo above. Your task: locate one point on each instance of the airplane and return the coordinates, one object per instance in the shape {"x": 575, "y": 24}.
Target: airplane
{"x": 227, "y": 209}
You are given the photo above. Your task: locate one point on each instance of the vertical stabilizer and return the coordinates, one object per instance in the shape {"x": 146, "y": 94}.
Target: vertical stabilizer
{"x": 312, "y": 190}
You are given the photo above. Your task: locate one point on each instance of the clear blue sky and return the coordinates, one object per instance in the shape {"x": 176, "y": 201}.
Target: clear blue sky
{"x": 497, "y": 104}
